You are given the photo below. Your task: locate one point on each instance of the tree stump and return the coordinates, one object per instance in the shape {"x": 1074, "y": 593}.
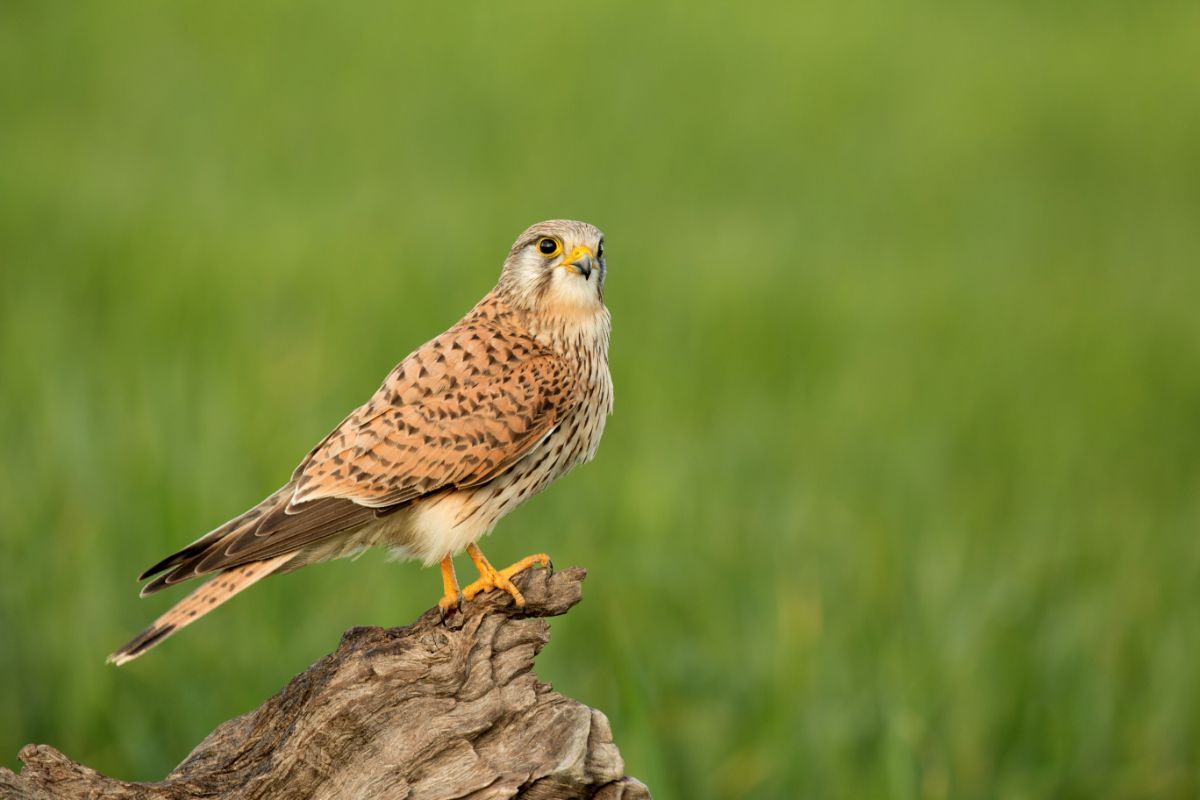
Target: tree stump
{"x": 437, "y": 709}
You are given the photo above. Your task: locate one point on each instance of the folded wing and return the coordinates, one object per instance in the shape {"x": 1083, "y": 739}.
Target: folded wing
{"x": 388, "y": 454}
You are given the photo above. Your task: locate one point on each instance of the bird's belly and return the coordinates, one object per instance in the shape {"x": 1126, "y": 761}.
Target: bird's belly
{"x": 445, "y": 523}
{"x": 449, "y": 521}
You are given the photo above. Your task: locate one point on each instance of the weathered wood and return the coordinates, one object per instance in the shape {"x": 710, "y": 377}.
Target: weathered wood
{"x": 438, "y": 709}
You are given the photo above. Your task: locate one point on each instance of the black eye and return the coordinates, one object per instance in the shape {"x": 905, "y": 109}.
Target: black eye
{"x": 548, "y": 246}
{"x": 600, "y": 250}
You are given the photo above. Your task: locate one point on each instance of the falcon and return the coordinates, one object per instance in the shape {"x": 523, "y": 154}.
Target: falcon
{"x": 466, "y": 428}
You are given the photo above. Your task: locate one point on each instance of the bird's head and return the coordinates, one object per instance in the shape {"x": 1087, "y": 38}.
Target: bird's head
{"x": 556, "y": 266}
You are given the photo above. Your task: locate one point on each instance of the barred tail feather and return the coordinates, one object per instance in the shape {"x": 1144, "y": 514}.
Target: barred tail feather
{"x": 212, "y": 594}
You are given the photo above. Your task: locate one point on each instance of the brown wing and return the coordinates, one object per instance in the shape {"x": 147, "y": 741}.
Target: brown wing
{"x": 458, "y": 439}
{"x": 368, "y": 466}
{"x": 457, "y": 412}
{"x": 268, "y": 532}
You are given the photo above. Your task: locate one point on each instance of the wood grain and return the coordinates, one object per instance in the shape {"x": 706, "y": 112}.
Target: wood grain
{"x": 437, "y": 709}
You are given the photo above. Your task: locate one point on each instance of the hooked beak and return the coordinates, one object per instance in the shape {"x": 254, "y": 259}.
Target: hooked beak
{"x": 582, "y": 260}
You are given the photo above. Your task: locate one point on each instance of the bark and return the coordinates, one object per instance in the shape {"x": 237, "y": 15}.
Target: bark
{"x": 437, "y": 709}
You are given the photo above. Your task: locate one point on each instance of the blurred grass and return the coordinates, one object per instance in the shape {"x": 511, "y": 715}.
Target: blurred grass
{"x": 900, "y": 498}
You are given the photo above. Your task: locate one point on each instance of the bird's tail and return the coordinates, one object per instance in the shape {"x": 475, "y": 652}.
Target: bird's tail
{"x": 212, "y": 594}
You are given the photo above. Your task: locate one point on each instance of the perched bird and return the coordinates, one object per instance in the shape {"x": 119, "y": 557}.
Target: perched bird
{"x": 462, "y": 431}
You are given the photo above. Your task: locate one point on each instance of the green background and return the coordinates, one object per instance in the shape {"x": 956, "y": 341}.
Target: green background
{"x": 900, "y": 498}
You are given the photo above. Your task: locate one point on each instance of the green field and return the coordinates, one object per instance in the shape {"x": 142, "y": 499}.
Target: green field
{"x": 901, "y": 497}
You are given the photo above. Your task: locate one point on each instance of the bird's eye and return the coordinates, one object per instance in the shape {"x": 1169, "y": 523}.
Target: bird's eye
{"x": 600, "y": 250}
{"x": 548, "y": 246}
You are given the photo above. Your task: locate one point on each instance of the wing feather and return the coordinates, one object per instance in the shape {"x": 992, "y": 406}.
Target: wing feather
{"x": 457, "y": 413}
{"x": 459, "y": 439}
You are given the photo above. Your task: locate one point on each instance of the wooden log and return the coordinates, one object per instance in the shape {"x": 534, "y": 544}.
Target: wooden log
{"x": 438, "y": 709}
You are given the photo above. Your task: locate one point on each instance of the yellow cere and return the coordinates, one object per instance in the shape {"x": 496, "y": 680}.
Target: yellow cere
{"x": 576, "y": 254}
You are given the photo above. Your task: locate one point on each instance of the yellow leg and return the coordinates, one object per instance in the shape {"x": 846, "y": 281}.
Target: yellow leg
{"x": 449, "y": 600}
{"x": 492, "y": 578}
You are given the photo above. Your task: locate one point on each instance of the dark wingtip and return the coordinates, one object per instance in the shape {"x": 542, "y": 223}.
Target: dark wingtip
{"x": 154, "y": 585}
{"x": 157, "y": 568}
{"x": 170, "y": 561}
{"x": 140, "y": 644}
{"x": 177, "y": 574}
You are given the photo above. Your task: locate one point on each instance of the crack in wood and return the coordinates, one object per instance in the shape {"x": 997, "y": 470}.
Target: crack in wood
{"x": 430, "y": 711}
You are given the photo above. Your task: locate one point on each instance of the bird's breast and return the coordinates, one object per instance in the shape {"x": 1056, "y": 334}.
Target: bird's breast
{"x": 448, "y": 521}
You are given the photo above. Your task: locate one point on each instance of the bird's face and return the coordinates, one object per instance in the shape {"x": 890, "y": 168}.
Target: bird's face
{"x": 557, "y": 266}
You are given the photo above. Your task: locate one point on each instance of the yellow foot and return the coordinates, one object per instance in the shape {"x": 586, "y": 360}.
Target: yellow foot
{"x": 449, "y": 600}
{"x": 492, "y": 578}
